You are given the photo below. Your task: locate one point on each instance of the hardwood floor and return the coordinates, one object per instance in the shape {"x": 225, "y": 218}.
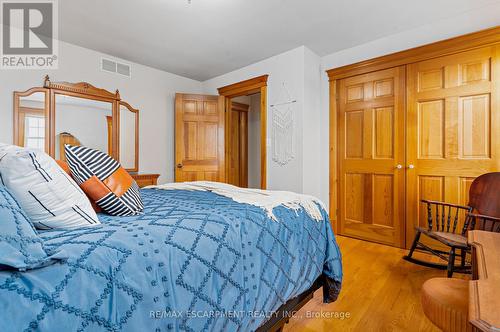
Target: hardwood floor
{"x": 380, "y": 292}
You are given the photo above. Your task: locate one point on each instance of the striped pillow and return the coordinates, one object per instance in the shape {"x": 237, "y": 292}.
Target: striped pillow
{"x": 104, "y": 180}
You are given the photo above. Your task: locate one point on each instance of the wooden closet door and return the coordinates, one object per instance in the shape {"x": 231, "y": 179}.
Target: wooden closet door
{"x": 371, "y": 146}
{"x": 453, "y": 128}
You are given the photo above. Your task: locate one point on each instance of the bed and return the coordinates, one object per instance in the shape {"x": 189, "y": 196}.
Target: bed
{"x": 193, "y": 261}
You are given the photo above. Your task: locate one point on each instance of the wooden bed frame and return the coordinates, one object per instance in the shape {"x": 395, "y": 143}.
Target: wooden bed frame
{"x": 284, "y": 313}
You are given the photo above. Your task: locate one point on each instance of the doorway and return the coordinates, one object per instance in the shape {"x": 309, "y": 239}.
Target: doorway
{"x": 244, "y": 142}
{"x": 245, "y": 132}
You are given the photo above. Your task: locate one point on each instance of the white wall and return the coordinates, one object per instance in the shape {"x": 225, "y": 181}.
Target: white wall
{"x": 151, "y": 91}
{"x": 311, "y": 140}
{"x": 286, "y": 67}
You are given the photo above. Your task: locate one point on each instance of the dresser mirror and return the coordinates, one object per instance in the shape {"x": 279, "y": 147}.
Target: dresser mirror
{"x": 61, "y": 113}
{"x": 81, "y": 121}
{"x": 129, "y": 136}
{"x": 30, "y": 119}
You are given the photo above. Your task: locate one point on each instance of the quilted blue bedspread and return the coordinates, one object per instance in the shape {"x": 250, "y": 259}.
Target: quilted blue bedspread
{"x": 194, "y": 261}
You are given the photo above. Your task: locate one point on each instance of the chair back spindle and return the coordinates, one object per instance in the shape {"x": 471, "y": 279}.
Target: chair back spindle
{"x": 429, "y": 215}
{"x": 455, "y": 220}
{"x": 437, "y": 217}
{"x": 440, "y": 217}
{"x": 448, "y": 219}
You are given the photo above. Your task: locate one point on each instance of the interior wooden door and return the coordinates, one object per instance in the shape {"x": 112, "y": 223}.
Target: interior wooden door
{"x": 371, "y": 146}
{"x": 237, "y": 145}
{"x": 453, "y": 128}
{"x": 199, "y": 138}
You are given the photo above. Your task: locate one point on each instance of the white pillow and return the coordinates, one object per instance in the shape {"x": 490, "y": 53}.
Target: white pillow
{"x": 48, "y": 195}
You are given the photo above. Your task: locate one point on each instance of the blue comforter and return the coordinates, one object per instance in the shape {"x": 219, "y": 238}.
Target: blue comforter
{"x": 194, "y": 261}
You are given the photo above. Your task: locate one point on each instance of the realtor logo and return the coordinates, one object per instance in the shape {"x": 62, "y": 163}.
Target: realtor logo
{"x": 29, "y": 34}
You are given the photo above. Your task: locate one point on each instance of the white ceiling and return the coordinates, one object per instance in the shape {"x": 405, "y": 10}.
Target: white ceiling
{"x": 208, "y": 38}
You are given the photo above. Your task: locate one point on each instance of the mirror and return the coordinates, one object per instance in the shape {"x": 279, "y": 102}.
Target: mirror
{"x": 129, "y": 137}
{"x": 81, "y": 121}
{"x": 31, "y": 118}
{"x": 78, "y": 114}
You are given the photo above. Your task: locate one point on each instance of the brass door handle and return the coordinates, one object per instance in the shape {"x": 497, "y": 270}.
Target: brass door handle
{"x": 179, "y": 165}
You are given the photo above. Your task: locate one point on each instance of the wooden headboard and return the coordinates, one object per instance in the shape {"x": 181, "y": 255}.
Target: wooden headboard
{"x": 66, "y": 138}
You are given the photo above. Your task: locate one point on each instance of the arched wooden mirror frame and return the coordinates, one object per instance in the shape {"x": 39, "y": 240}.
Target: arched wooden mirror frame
{"x": 19, "y": 112}
{"x": 80, "y": 90}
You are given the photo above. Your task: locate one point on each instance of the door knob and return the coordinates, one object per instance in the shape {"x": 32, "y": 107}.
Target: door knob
{"x": 399, "y": 166}
{"x": 411, "y": 166}
{"x": 179, "y": 165}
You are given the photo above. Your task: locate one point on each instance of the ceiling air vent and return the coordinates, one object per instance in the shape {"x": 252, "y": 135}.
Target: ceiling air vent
{"x": 115, "y": 67}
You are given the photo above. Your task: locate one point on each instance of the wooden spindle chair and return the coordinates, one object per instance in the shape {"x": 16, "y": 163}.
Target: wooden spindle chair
{"x": 443, "y": 219}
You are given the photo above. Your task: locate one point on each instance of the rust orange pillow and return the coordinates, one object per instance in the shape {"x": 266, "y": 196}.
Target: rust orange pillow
{"x": 65, "y": 167}
{"x": 104, "y": 180}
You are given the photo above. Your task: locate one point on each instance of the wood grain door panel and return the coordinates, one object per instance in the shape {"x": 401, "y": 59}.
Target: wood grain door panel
{"x": 453, "y": 128}
{"x": 371, "y": 145}
{"x": 199, "y": 138}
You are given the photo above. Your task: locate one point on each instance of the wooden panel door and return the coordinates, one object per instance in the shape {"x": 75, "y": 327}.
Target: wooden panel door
{"x": 237, "y": 145}
{"x": 199, "y": 138}
{"x": 453, "y": 128}
{"x": 371, "y": 146}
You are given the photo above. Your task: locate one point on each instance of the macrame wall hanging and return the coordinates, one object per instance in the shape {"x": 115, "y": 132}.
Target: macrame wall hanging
{"x": 282, "y": 144}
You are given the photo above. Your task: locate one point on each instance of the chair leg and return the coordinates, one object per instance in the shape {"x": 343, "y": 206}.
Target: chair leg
{"x": 462, "y": 257}
{"x": 451, "y": 262}
{"x": 414, "y": 244}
